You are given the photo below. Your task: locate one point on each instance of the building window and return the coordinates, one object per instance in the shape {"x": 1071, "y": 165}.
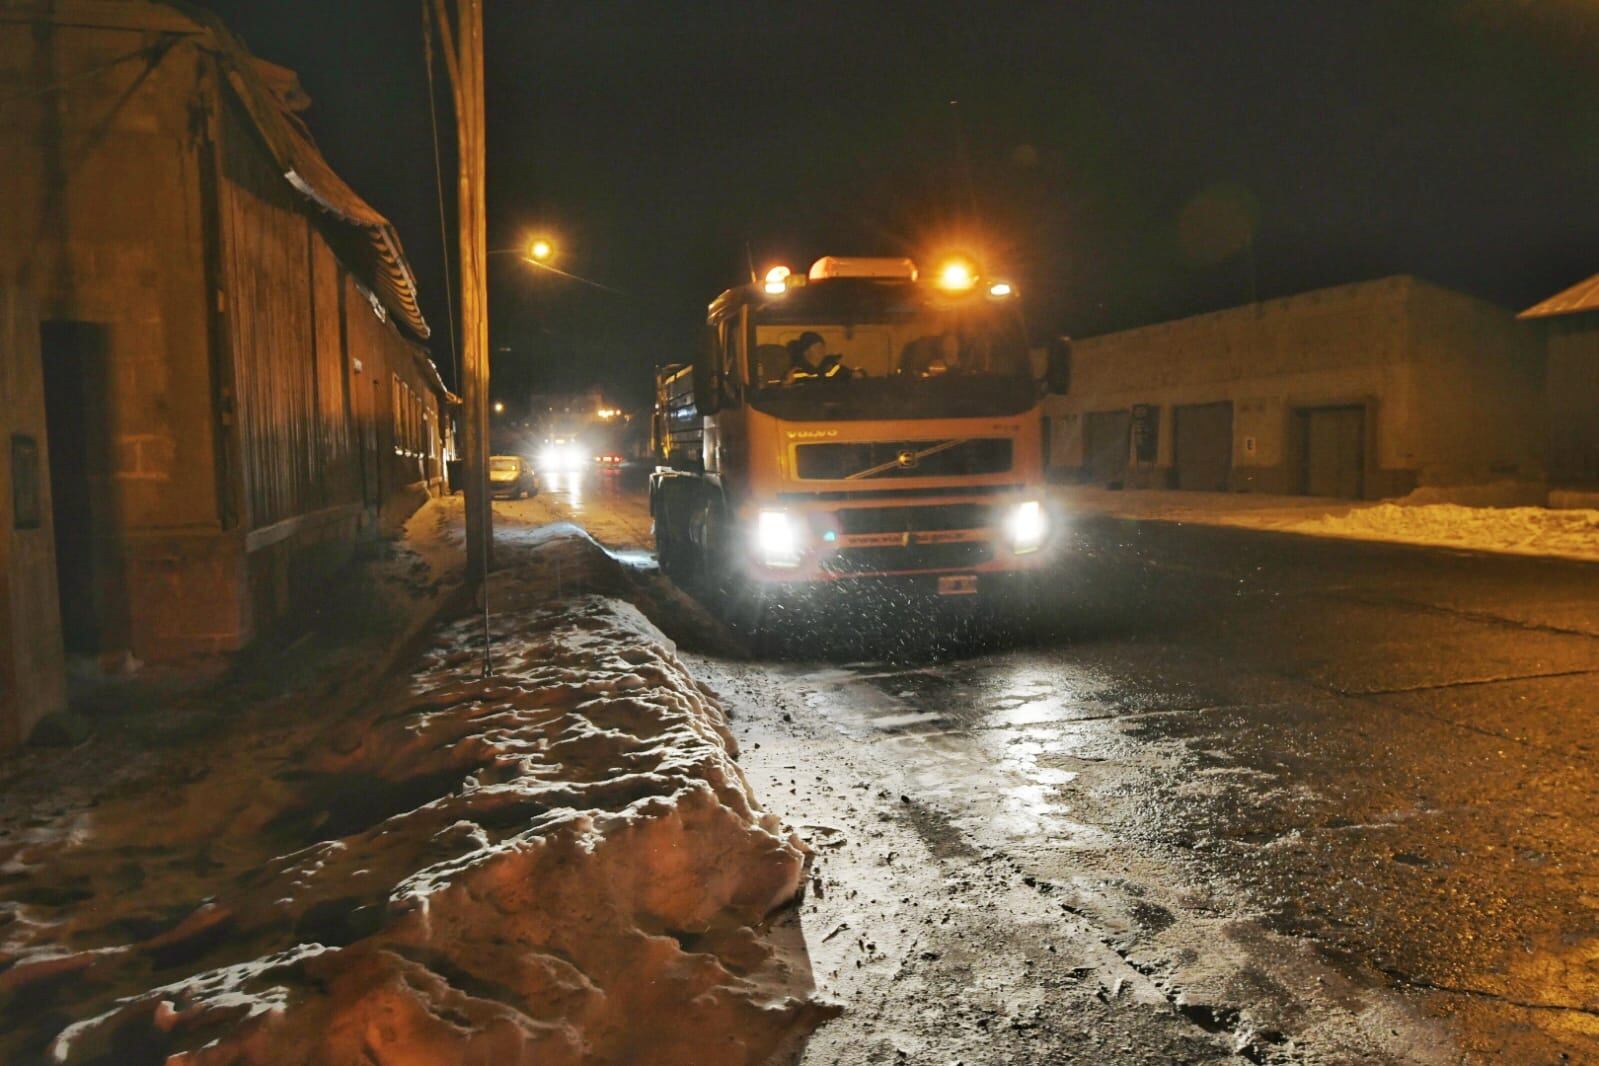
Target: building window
{"x": 412, "y": 434}
{"x": 1146, "y": 433}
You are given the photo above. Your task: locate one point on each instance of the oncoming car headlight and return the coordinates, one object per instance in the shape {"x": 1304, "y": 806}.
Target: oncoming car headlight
{"x": 1027, "y": 526}
{"x": 777, "y": 539}
{"x": 563, "y": 455}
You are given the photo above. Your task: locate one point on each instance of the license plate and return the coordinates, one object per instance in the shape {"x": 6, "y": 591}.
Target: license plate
{"x": 957, "y": 585}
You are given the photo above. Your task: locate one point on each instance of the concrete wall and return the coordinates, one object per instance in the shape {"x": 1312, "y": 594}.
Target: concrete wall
{"x": 1479, "y": 407}
{"x": 1449, "y": 385}
{"x": 32, "y": 675}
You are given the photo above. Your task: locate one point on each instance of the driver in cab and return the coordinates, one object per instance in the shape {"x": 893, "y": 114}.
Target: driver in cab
{"x": 808, "y": 360}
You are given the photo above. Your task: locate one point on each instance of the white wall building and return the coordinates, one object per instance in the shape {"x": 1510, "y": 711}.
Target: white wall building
{"x": 1363, "y": 391}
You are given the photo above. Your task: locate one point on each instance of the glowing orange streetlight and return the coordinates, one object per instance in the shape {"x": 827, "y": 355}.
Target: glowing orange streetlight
{"x": 540, "y": 250}
{"x": 957, "y": 275}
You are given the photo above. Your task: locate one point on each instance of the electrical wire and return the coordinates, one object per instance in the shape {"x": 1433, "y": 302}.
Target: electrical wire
{"x": 572, "y": 277}
{"x": 438, "y": 188}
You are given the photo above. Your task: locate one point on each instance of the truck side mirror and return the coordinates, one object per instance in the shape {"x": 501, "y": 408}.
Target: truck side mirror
{"x": 707, "y": 379}
{"x": 1058, "y": 366}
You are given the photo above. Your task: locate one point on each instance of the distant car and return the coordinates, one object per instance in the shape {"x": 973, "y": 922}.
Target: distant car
{"x": 608, "y": 461}
{"x": 563, "y": 453}
{"x": 512, "y": 477}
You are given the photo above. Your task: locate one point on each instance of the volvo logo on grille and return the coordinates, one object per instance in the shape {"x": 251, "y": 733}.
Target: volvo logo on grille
{"x": 906, "y": 459}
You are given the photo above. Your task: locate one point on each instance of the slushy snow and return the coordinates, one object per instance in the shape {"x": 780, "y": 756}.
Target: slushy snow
{"x": 557, "y": 863}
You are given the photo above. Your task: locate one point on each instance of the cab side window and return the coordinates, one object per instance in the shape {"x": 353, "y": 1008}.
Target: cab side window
{"x": 731, "y": 343}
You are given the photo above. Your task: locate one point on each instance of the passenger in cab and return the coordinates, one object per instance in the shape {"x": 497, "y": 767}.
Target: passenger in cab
{"x": 931, "y": 356}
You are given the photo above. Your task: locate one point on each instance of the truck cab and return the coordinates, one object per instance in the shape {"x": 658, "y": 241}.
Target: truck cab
{"x": 855, "y": 421}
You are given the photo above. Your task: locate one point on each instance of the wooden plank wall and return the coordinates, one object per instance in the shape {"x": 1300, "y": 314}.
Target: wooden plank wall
{"x": 268, "y": 260}
{"x": 335, "y": 443}
{"x": 315, "y": 364}
{"x": 404, "y": 410}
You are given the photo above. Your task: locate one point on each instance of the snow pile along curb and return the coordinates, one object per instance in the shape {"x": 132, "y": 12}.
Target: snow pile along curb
{"x": 1515, "y": 530}
{"x": 560, "y": 863}
{"x": 1469, "y": 518}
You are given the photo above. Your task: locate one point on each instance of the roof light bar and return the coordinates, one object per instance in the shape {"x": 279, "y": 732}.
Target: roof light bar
{"x": 777, "y": 280}
{"x": 839, "y": 266}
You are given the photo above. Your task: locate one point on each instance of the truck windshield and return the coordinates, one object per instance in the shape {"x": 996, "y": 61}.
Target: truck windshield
{"x": 918, "y": 361}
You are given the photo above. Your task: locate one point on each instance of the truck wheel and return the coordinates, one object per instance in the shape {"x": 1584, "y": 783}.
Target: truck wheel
{"x": 715, "y": 550}
{"x": 672, "y": 548}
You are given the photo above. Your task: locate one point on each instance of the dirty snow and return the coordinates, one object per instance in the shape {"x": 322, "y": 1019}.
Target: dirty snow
{"x": 1517, "y": 530}
{"x": 558, "y": 863}
{"x": 1469, "y": 518}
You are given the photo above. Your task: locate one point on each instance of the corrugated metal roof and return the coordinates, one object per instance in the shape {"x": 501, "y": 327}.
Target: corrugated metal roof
{"x": 1583, "y": 296}
{"x": 270, "y": 95}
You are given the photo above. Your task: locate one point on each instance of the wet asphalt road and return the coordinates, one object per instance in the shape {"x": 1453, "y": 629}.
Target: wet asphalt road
{"x": 1382, "y": 759}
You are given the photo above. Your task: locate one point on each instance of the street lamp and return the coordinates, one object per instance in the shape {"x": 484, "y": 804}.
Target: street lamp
{"x": 499, "y": 407}
{"x": 540, "y": 250}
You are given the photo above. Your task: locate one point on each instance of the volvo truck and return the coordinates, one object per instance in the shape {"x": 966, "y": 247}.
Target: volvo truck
{"x": 857, "y": 421}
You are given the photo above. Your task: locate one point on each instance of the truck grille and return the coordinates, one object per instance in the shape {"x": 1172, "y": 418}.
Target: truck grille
{"x": 866, "y": 460}
{"x": 955, "y": 555}
{"x": 853, "y": 520}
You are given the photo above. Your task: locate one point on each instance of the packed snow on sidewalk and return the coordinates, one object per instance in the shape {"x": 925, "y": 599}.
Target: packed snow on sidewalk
{"x": 1517, "y": 530}
{"x": 557, "y": 863}
{"x": 1474, "y": 518}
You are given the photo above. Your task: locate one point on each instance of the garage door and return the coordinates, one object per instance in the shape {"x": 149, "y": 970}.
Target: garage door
{"x": 1334, "y": 449}
{"x": 1105, "y": 436}
{"x": 1203, "y": 438}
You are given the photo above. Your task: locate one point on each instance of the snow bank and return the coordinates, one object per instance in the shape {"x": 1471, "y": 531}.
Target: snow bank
{"x": 560, "y": 863}
{"x": 1520, "y": 530}
{"x": 1506, "y": 492}
{"x": 1475, "y": 518}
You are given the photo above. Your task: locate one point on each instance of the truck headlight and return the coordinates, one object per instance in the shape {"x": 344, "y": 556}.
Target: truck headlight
{"x": 777, "y": 539}
{"x": 1027, "y": 526}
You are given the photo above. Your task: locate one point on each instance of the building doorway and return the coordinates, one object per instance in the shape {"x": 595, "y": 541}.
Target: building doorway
{"x": 1202, "y": 440}
{"x": 1105, "y": 442}
{"x": 76, "y": 369}
{"x": 1332, "y": 444}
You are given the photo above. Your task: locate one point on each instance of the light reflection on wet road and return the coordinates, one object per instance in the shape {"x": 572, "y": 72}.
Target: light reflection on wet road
{"x": 1386, "y": 754}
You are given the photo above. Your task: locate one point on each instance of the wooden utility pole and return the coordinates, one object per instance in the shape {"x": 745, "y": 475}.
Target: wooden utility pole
{"x": 463, "y": 57}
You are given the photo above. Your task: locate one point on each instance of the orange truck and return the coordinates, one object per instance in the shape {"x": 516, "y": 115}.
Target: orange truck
{"x": 856, "y": 421}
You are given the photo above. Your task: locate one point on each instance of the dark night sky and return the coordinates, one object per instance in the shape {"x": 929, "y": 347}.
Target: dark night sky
{"x": 1118, "y": 153}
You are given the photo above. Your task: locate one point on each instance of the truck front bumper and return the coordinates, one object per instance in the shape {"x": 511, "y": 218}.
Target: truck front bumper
{"x": 827, "y": 541}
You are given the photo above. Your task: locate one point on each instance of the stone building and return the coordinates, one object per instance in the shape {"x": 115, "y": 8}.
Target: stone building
{"x": 228, "y": 347}
{"x": 1360, "y": 391}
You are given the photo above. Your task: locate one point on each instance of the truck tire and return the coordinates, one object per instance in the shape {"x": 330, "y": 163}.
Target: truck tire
{"x": 673, "y": 550}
